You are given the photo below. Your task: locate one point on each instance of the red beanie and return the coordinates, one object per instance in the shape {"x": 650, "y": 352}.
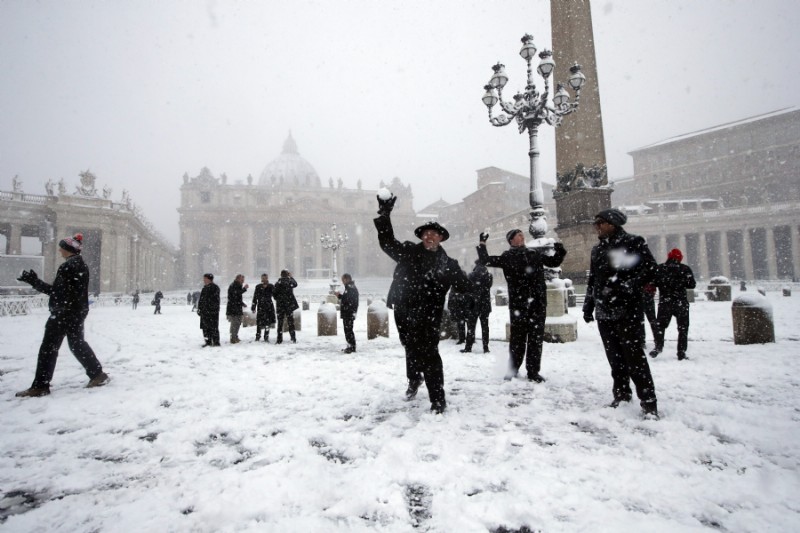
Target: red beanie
{"x": 675, "y": 254}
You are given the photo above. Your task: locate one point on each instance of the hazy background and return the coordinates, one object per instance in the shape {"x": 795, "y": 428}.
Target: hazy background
{"x": 142, "y": 92}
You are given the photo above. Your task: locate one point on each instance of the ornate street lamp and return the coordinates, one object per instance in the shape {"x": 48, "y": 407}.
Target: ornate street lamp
{"x": 333, "y": 242}
{"x": 530, "y": 108}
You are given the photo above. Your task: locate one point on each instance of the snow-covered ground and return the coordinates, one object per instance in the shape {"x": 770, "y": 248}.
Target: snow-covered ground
{"x": 300, "y": 437}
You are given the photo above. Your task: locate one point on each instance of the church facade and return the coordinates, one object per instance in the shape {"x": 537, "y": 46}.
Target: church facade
{"x": 275, "y": 222}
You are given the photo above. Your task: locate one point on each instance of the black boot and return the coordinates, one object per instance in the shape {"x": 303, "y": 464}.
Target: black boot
{"x": 413, "y": 387}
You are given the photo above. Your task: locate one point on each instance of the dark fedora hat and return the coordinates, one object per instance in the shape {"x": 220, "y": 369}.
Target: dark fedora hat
{"x": 434, "y": 226}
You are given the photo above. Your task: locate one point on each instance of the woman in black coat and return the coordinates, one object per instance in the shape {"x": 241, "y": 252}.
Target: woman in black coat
{"x": 208, "y": 309}
{"x": 286, "y": 303}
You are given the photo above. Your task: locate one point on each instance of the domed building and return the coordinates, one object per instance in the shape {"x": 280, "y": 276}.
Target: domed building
{"x": 276, "y": 223}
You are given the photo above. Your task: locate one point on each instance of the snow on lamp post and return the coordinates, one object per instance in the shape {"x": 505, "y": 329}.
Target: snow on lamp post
{"x": 333, "y": 241}
{"x": 530, "y": 108}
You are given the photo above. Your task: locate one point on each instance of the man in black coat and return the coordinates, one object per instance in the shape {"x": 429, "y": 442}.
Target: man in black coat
{"x": 621, "y": 264}
{"x": 285, "y": 304}
{"x": 69, "y": 305}
{"x": 348, "y": 308}
{"x": 422, "y": 277}
{"x": 523, "y": 269}
{"x": 673, "y": 279}
{"x": 460, "y": 306}
{"x": 157, "y": 302}
{"x": 234, "y": 309}
{"x": 263, "y": 307}
{"x": 482, "y": 280}
{"x": 208, "y": 309}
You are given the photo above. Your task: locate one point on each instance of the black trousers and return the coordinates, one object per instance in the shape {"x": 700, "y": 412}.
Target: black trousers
{"x": 158, "y": 308}
{"x": 649, "y": 308}
{"x": 210, "y": 327}
{"x": 666, "y": 310}
{"x": 527, "y": 336}
{"x": 289, "y": 322}
{"x": 472, "y": 324}
{"x": 54, "y": 332}
{"x": 349, "y": 336}
{"x": 419, "y": 335}
{"x": 623, "y": 342}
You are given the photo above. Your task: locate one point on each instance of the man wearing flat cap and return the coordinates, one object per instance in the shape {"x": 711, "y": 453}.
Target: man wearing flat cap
{"x": 523, "y": 269}
{"x": 422, "y": 277}
{"x": 621, "y": 264}
{"x": 69, "y": 306}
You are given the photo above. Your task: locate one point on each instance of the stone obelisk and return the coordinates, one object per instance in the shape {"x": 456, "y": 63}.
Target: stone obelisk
{"x": 582, "y": 181}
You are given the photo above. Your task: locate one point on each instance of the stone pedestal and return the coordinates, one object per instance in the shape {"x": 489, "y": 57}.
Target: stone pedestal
{"x": 575, "y": 211}
{"x": 377, "y": 320}
{"x": 719, "y": 293}
{"x": 326, "y": 320}
{"x": 500, "y": 298}
{"x": 690, "y": 295}
{"x": 787, "y": 291}
{"x": 752, "y": 320}
{"x": 559, "y": 326}
{"x": 305, "y": 305}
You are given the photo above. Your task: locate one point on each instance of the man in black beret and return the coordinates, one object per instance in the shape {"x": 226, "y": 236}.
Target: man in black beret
{"x": 422, "y": 277}
{"x": 621, "y": 264}
{"x": 523, "y": 269}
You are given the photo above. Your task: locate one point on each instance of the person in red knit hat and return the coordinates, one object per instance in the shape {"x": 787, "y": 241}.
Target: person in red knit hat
{"x": 673, "y": 279}
{"x": 69, "y": 305}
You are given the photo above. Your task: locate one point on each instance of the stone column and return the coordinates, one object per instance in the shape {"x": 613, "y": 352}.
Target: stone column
{"x": 281, "y": 249}
{"x": 747, "y": 253}
{"x": 108, "y": 267}
{"x": 703, "y": 252}
{"x": 14, "y": 244}
{"x": 772, "y": 257}
{"x": 682, "y": 243}
{"x": 795, "y": 249}
{"x": 576, "y": 210}
{"x": 724, "y": 257}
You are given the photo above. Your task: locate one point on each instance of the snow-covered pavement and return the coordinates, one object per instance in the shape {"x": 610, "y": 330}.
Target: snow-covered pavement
{"x": 300, "y": 437}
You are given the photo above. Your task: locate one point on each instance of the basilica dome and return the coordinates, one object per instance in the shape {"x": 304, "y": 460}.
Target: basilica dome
{"x": 289, "y": 169}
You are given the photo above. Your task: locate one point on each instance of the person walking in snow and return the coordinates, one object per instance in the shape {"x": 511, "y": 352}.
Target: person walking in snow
{"x": 69, "y": 306}
{"x": 157, "y": 302}
{"x": 621, "y": 264}
{"x": 263, "y": 307}
{"x": 422, "y": 277}
{"x": 208, "y": 309}
{"x": 482, "y": 280}
{"x": 285, "y": 304}
{"x": 135, "y": 299}
{"x": 234, "y": 310}
{"x": 523, "y": 269}
{"x": 673, "y": 279}
{"x": 348, "y": 308}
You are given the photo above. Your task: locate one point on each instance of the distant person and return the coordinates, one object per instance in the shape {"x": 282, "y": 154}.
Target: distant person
{"x": 285, "y": 304}
{"x": 157, "y": 302}
{"x": 459, "y": 305}
{"x": 188, "y": 297}
{"x": 69, "y": 305}
{"x": 235, "y": 308}
{"x": 135, "y": 299}
{"x": 348, "y": 309}
{"x": 263, "y": 307}
{"x": 195, "y": 299}
{"x": 523, "y": 269}
{"x": 208, "y": 309}
{"x": 422, "y": 277}
{"x": 673, "y": 279}
{"x": 621, "y": 264}
{"x": 482, "y": 279}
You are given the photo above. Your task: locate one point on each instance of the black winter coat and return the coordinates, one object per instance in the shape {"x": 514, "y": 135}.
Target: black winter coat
{"x": 208, "y": 305}
{"x": 523, "y": 269}
{"x": 69, "y": 293}
{"x": 672, "y": 280}
{"x": 620, "y": 267}
{"x": 263, "y": 306}
{"x": 285, "y": 302}
{"x": 461, "y": 304}
{"x": 482, "y": 279}
{"x": 421, "y": 278}
{"x": 235, "y": 299}
{"x": 349, "y": 301}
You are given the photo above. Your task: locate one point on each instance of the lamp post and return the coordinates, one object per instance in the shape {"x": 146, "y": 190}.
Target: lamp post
{"x": 333, "y": 241}
{"x": 530, "y": 108}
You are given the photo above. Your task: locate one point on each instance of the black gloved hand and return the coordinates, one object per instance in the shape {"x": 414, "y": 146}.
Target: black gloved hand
{"x": 385, "y": 206}
{"x": 558, "y": 247}
{"x": 28, "y": 276}
{"x": 588, "y": 317}
{"x": 483, "y": 237}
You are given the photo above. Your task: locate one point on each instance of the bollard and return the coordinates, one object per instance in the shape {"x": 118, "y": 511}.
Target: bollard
{"x": 721, "y": 287}
{"x": 787, "y": 291}
{"x": 248, "y": 318}
{"x": 752, "y": 319}
{"x": 298, "y": 319}
{"x": 377, "y": 320}
{"x": 326, "y": 320}
{"x": 305, "y": 304}
{"x": 500, "y": 298}
{"x": 690, "y": 295}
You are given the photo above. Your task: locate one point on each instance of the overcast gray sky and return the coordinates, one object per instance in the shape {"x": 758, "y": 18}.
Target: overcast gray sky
{"x": 142, "y": 91}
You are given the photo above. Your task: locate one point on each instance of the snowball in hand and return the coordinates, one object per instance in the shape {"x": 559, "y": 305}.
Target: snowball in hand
{"x": 384, "y": 193}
